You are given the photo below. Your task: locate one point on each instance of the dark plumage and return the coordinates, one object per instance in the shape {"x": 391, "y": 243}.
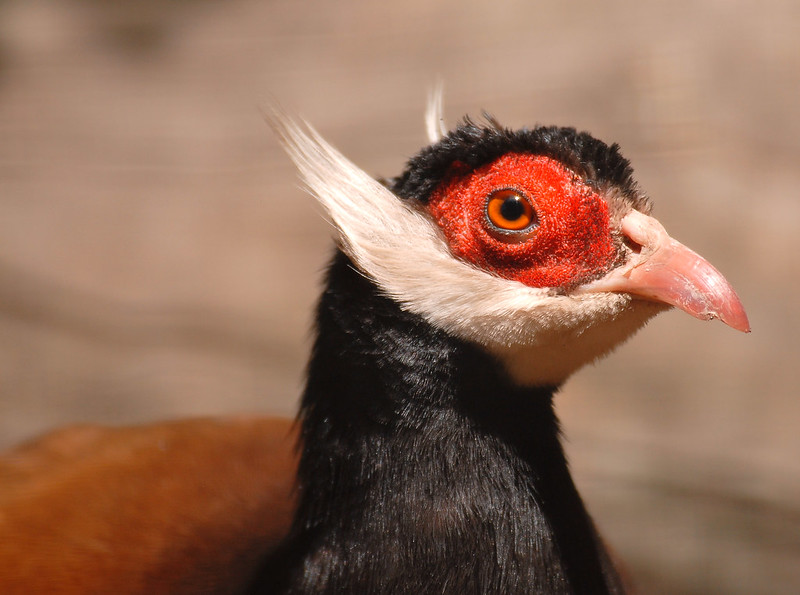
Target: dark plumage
{"x": 425, "y": 470}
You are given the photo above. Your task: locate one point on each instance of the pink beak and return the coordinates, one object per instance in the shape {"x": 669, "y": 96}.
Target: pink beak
{"x": 667, "y": 271}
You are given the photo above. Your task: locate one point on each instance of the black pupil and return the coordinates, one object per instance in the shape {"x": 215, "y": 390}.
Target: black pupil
{"x": 512, "y": 208}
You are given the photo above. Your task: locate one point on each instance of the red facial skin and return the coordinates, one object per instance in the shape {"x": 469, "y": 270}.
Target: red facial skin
{"x": 571, "y": 244}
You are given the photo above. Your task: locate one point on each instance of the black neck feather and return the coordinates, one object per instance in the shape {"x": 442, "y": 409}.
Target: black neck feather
{"x": 424, "y": 470}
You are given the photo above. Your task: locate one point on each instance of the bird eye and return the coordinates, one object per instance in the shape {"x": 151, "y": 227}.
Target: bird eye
{"x": 508, "y": 210}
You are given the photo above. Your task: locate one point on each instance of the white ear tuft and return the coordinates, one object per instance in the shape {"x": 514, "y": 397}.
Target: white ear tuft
{"x": 376, "y": 229}
{"x": 434, "y": 115}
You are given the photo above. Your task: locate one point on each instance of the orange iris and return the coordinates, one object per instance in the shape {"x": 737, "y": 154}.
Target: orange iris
{"x": 508, "y": 210}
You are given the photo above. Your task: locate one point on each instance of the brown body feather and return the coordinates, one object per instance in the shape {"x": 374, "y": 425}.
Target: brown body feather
{"x": 180, "y": 507}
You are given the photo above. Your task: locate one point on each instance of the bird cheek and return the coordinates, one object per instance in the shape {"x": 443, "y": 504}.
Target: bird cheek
{"x": 593, "y": 246}
{"x": 458, "y": 223}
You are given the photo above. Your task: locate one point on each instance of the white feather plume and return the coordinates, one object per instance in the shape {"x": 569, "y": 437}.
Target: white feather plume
{"x": 434, "y": 114}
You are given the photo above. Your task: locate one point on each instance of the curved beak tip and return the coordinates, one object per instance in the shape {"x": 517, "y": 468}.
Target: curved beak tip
{"x": 736, "y": 318}
{"x": 723, "y": 305}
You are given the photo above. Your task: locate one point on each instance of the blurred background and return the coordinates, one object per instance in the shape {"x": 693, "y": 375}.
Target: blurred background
{"x": 158, "y": 259}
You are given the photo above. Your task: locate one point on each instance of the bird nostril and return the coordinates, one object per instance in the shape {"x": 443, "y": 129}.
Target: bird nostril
{"x": 634, "y": 247}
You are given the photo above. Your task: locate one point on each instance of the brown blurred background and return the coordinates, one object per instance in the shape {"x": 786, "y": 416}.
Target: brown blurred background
{"x": 157, "y": 258}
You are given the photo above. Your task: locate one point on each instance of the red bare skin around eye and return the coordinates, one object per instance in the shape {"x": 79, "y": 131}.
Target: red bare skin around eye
{"x": 571, "y": 244}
